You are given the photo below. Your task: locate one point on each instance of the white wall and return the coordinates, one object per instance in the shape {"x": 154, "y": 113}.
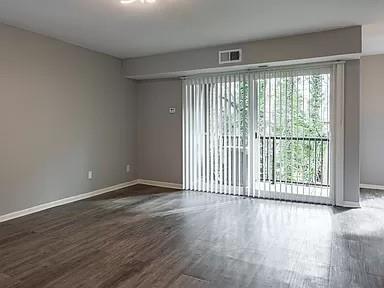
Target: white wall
{"x": 372, "y": 120}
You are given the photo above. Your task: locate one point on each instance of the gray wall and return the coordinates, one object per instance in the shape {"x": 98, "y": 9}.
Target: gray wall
{"x": 64, "y": 110}
{"x": 159, "y": 133}
{"x": 306, "y": 46}
{"x": 372, "y": 120}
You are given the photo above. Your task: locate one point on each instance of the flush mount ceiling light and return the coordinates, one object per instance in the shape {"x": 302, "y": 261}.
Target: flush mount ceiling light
{"x": 141, "y": 1}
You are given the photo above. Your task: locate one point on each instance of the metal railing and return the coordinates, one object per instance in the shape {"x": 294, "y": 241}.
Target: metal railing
{"x": 296, "y": 160}
{"x": 285, "y": 159}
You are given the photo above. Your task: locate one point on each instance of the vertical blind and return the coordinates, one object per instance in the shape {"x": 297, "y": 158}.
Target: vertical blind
{"x": 262, "y": 134}
{"x": 215, "y": 133}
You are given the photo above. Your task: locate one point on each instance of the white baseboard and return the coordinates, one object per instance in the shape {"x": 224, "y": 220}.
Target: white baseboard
{"x": 160, "y": 184}
{"x": 64, "y": 201}
{"x": 60, "y": 202}
{"x": 371, "y": 186}
{"x": 350, "y": 204}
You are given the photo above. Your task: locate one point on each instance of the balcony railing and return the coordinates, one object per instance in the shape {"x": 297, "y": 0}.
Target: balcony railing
{"x": 283, "y": 159}
{"x": 294, "y": 160}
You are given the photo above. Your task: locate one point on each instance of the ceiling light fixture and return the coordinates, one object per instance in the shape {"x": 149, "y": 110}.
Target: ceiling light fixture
{"x": 133, "y": 1}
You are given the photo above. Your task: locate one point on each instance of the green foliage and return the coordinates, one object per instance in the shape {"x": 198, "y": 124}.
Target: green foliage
{"x": 294, "y": 109}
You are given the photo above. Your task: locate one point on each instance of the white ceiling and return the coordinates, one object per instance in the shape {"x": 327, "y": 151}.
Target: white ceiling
{"x": 170, "y": 25}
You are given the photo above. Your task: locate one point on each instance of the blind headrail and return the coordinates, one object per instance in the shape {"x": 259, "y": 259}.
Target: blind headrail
{"x": 282, "y": 68}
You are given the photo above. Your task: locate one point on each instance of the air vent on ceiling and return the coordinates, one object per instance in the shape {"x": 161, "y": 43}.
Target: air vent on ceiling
{"x": 230, "y": 56}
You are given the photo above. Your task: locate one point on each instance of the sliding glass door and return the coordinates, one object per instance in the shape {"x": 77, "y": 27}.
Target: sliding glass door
{"x": 263, "y": 134}
{"x": 291, "y": 155}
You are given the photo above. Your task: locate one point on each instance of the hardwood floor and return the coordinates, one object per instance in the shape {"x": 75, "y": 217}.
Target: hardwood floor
{"x": 153, "y": 237}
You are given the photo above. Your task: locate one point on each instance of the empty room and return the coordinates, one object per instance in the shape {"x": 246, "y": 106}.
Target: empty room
{"x": 191, "y": 143}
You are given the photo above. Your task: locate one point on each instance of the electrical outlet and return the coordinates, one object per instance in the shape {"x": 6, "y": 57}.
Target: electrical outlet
{"x": 90, "y": 175}
{"x": 128, "y": 168}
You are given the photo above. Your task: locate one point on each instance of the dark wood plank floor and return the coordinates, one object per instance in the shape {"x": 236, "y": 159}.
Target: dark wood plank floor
{"x": 152, "y": 237}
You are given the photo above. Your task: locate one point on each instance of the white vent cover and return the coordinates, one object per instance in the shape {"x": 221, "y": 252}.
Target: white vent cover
{"x": 230, "y": 56}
